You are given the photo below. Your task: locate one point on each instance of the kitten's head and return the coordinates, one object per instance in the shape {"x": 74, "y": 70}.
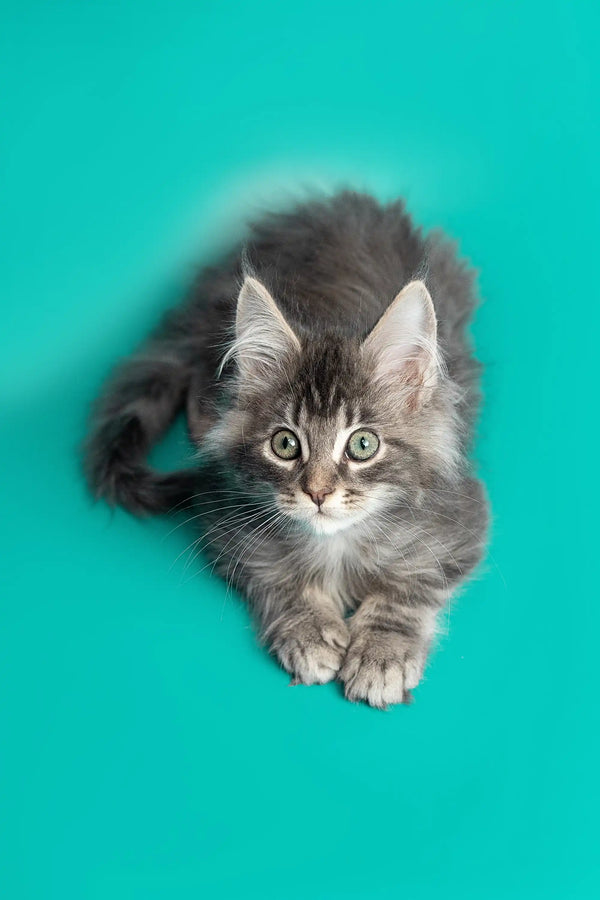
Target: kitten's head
{"x": 336, "y": 429}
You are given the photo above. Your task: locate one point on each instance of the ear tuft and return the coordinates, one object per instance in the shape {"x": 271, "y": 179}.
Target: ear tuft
{"x": 403, "y": 343}
{"x": 263, "y": 338}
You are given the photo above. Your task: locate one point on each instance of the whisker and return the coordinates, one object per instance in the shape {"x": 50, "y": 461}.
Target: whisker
{"x": 240, "y": 492}
{"x": 226, "y": 520}
{"x": 262, "y": 536}
{"x": 218, "y": 507}
{"x": 426, "y": 545}
{"x": 477, "y": 537}
{"x": 457, "y": 493}
{"x": 234, "y": 524}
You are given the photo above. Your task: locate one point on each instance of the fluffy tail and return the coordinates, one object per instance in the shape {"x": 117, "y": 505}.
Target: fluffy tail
{"x": 140, "y": 402}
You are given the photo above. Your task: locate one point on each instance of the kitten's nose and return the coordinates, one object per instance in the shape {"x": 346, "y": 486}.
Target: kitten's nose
{"x": 318, "y": 494}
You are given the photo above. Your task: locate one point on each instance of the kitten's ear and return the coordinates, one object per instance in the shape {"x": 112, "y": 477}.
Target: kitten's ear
{"x": 263, "y": 338}
{"x": 403, "y": 343}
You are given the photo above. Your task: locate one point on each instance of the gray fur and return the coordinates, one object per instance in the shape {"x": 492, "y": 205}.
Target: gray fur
{"x": 395, "y": 536}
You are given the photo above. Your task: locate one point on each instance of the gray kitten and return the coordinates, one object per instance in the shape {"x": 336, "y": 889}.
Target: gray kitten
{"x": 332, "y": 398}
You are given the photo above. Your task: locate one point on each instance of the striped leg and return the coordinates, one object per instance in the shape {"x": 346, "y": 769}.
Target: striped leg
{"x": 389, "y": 640}
{"x": 307, "y": 634}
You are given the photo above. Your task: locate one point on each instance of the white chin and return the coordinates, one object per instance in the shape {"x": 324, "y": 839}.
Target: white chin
{"x": 324, "y": 524}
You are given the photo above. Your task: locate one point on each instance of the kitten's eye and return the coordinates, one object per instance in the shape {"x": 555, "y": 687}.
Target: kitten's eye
{"x": 362, "y": 445}
{"x": 285, "y": 444}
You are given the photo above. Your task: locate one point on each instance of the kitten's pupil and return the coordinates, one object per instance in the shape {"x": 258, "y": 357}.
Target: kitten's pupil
{"x": 364, "y": 443}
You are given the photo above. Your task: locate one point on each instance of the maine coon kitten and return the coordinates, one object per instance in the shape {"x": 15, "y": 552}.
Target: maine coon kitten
{"x": 332, "y": 397}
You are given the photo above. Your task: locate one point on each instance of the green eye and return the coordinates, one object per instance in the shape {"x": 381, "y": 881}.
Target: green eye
{"x": 285, "y": 444}
{"x": 362, "y": 445}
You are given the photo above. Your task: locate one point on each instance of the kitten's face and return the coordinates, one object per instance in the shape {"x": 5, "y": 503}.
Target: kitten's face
{"x": 330, "y": 446}
{"x": 330, "y": 429}
{"x": 324, "y": 442}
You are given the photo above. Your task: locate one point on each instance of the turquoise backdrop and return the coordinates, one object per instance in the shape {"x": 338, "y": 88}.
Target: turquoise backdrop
{"x": 148, "y": 748}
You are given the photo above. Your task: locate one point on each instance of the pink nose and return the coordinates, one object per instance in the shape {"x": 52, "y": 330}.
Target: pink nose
{"x": 318, "y": 495}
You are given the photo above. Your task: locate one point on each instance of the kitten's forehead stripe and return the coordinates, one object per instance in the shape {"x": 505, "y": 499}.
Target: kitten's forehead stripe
{"x": 314, "y": 396}
{"x": 367, "y": 413}
{"x": 328, "y": 379}
{"x": 291, "y": 413}
{"x": 295, "y": 407}
{"x": 350, "y": 413}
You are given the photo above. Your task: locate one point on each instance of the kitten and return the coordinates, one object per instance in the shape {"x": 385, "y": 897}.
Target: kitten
{"x": 332, "y": 395}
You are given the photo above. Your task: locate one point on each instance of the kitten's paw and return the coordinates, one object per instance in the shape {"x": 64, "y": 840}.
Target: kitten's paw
{"x": 312, "y": 649}
{"x": 381, "y": 668}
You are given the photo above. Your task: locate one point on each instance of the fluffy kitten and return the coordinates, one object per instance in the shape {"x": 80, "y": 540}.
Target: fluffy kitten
{"x": 332, "y": 397}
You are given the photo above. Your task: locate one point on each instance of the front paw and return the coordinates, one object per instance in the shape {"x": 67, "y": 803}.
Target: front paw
{"x": 311, "y": 648}
{"x": 381, "y": 667}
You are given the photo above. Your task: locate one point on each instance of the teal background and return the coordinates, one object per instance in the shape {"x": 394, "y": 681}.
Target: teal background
{"x": 148, "y": 748}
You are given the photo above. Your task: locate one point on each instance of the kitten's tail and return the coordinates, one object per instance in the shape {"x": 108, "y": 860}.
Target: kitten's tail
{"x": 139, "y": 403}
